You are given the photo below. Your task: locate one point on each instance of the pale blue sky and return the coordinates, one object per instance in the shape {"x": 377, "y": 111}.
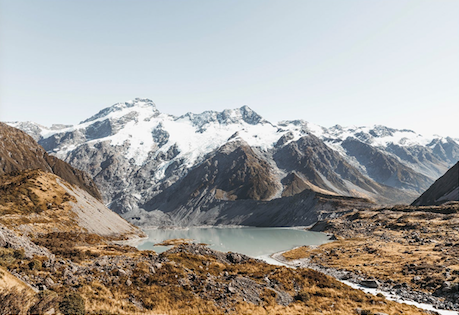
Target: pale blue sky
{"x": 348, "y": 62}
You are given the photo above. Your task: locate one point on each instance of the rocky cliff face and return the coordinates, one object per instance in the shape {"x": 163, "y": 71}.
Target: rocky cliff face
{"x": 445, "y": 189}
{"x": 155, "y": 168}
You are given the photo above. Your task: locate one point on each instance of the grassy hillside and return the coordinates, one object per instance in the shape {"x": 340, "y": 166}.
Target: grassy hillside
{"x": 36, "y": 202}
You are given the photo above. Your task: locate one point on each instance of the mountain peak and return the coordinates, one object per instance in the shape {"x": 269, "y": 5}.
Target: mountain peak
{"x": 137, "y": 103}
{"x": 225, "y": 117}
{"x": 250, "y": 116}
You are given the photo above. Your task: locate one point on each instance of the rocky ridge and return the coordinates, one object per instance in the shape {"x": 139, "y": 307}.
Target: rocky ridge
{"x": 34, "y": 202}
{"x": 40, "y": 194}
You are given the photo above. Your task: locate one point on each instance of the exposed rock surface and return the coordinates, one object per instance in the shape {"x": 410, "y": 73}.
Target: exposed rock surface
{"x": 10, "y": 239}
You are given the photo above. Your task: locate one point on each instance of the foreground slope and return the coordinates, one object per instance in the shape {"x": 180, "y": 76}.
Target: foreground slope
{"x": 36, "y": 202}
{"x": 88, "y": 277}
{"x": 445, "y": 189}
{"x": 42, "y": 194}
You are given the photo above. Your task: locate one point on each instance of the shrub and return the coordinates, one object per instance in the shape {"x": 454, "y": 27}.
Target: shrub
{"x": 34, "y": 265}
{"x": 72, "y": 303}
{"x": 19, "y": 253}
{"x": 102, "y": 312}
{"x": 303, "y": 296}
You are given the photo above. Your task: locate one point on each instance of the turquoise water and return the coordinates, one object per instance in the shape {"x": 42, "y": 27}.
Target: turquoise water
{"x": 251, "y": 241}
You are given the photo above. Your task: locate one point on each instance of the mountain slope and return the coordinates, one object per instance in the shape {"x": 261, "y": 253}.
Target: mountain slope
{"x": 18, "y": 151}
{"x": 236, "y": 186}
{"x": 41, "y": 194}
{"x": 445, "y": 189}
{"x": 37, "y": 202}
{"x": 328, "y": 170}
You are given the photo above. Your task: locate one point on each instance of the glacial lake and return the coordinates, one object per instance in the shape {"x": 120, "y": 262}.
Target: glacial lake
{"x": 251, "y": 241}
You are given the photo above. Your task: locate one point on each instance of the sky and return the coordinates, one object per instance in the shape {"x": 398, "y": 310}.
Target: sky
{"x": 346, "y": 62}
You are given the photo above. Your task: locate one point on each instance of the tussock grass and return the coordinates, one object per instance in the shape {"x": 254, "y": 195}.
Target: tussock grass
{"x": 21, "y": 301}
{"x": 413, "y": 245}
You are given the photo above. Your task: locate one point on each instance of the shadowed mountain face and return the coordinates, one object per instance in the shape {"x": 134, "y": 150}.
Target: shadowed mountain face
{"x": 234, "y": 172}
{"x": 384, "y": 168}
{"x": 19, "y": 151}
{"x": 154, "y": 168}
{"x": 325, "y": 168}
{"x": 445, "y": 189}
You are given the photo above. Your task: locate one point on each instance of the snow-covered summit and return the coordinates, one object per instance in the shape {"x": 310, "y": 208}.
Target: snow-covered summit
{"x": 121, "y": 108}
{"x": 377, "y": 135}
{"x": 240, "y": 115}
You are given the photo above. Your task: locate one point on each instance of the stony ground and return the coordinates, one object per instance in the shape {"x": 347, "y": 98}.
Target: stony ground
{"x": 411, "y": 251}
{"x": 104, "y": 278}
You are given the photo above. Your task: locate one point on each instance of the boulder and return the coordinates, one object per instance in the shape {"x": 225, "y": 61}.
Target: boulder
{"x": 234, "y": 258}
{"x": 373, "y": 284}
{"x": 360, "y": 311}
{"x": 2, "y": 240}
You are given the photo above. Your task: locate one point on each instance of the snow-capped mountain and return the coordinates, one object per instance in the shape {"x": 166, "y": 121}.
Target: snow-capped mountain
{"x": 161, "y": 169}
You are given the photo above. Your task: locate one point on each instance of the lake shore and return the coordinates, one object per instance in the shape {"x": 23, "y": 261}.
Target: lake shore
{"x": 407, "y": 252}
{"x": 372, "y": 286}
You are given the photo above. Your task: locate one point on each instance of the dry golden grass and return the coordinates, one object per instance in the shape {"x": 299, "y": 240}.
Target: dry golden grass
{"x": 327, "y": 296}
{"x": 33, "y": 202}
{"x": 7, "y": 280}
{"x": 163, "y": 291}
{"x": 175, "y": 241}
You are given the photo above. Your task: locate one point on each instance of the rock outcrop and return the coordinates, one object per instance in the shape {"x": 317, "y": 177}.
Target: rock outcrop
{"x": 10, "y": 239}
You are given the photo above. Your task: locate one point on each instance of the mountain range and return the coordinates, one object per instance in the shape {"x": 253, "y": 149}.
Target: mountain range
{"x": 234, "y": 167}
